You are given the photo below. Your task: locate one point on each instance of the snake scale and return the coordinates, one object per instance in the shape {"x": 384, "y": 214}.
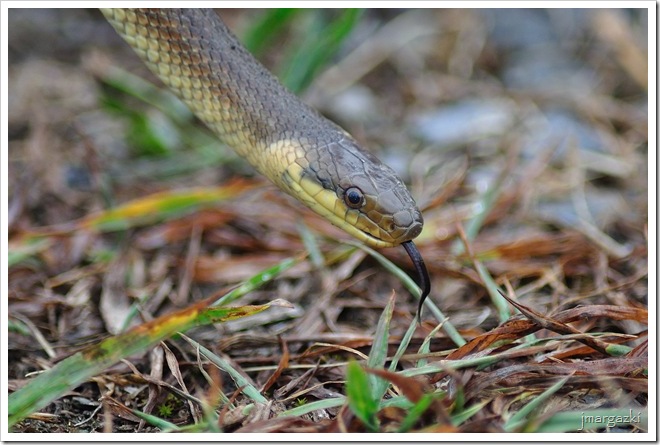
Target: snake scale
{"x": 306, "y": 155}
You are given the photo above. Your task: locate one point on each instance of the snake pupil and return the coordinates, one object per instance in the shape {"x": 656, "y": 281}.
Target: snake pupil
{"x": 354, "y": 198}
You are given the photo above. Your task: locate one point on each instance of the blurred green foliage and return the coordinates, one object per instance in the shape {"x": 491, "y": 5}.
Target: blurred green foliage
{"x": 316, "y": 38}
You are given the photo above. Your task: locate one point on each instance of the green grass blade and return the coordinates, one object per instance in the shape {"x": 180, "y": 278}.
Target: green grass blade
{"x": 26, "y": 248}
{"x": 483, "y": 206}
{"x": 425, "y": 347}
{"x": 311, "y": 245}
{"x": 321, "y": 43}
{"x": 493, "y": 291}
{"x": 266, "y": 29}
{"x": 414, "y": 289}
{"x": 159, "y": 207}
{"x": 156, "y": 421}
{"x": 83, "y": 365}
{"x": 403, "y": 346}
{"x": 582, "y": 421}
{"x": 520, "y": 417}
{"x": 378, "y": 353}
{"x": 246, "y": 387}
{"x": 153, "y": 132}
{"x": 360, "y": 398}
{"x": 314, "y": 406}
{"x": 416, "y": 412}
{"x": 463, "y": 415}
{"x": 256, "y": 281}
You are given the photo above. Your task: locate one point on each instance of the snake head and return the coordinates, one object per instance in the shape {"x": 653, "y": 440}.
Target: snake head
{"x": 358, "y": 193}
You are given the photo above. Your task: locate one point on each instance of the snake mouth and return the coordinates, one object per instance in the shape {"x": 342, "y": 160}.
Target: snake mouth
{"x": 371, "y": 240}
{"x": 408, "y": 235}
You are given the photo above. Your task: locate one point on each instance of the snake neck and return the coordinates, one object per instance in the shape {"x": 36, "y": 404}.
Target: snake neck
{"x": 306, "y": 155}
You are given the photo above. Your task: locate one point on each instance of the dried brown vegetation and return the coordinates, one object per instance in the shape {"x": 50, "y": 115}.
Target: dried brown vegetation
{"x": 550, "y": 201}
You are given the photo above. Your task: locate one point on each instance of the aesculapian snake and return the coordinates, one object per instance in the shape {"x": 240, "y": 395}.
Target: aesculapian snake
{"x": 305, "y": 154}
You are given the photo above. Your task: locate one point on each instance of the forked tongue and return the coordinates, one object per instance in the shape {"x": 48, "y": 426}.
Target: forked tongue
{"x": 424, "y": 281}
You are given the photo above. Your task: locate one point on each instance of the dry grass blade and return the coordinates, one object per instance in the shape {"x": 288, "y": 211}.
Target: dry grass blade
{"x": 522, "y": 133}
{"x": 611, "y": 312}
{"x": 596, "y": 372}
{"x": 517, "y": 328}
{"x": 485, "y": 276}
{"x": 281, "y": 366}
{"x": 509, "y": 331}
{"x": 560, "y": 328}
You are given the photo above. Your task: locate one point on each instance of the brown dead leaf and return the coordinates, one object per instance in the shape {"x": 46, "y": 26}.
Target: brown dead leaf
{"x": 322, "y": 349}
{"x": 558, "y": 327}
{"x": 516, "y": 328}
{"x": 529, "y": 374}
{"x": 511, "y": 330}
{"x": 640, "y": 350}
{"x": 603, "y": 311}
{"x": 281, "y": 366}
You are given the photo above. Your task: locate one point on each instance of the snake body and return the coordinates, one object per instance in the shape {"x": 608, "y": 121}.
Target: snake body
{"x": 303, "y": 153}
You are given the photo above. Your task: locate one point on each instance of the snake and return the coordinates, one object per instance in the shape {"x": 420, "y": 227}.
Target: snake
{"x": 305, "y": 154}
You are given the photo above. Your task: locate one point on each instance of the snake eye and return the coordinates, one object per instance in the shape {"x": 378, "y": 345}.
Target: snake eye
{"x": 354, "y": 198}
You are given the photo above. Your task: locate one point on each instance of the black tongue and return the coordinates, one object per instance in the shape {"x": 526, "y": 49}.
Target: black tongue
{"x": 424, "y": 281}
